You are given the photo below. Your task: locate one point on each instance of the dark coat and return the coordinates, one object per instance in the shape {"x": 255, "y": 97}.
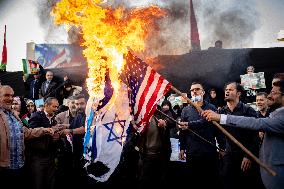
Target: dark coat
{"x": 51, "y": 90}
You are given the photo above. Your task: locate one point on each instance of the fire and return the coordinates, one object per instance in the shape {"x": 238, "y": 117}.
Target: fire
{"x": 107, "y": 34}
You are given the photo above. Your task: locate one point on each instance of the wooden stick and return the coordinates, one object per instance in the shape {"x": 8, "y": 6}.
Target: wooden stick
{"x": 201, "y": 138}
{"x": 269, "y": 170}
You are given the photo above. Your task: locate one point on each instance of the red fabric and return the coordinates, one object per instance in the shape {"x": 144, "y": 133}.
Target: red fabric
{"x": 194, "y": 35}
{"x": 4, "y": 51}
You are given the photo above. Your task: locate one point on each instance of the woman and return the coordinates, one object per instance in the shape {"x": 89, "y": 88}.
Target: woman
{"x": 19, "y": 106}
{"x": 30, "y": 109}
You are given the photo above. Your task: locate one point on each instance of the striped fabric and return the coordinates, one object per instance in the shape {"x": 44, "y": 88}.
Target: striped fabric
{"x": 147, "y": 87}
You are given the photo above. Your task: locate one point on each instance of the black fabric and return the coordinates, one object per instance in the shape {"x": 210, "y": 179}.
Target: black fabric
{"x": 248, "y": 138}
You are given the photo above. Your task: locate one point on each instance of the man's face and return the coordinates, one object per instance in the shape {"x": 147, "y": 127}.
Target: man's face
{"x": 275, "y": 97}
{"x": 52, "y": 107}
{"x": 36, "y": 76}
{"x": 231, "y": 93}
{"x": 6, "y": 97}
{"x": 71, "y": 105}
{"x": 49, "y": 76}
{"x": 80, "y": 105}
{"x": 261, "y": 102}
{"x": 197, "y": 90}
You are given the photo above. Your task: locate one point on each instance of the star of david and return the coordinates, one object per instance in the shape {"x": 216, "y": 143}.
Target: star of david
{"x": 113, "y": 136}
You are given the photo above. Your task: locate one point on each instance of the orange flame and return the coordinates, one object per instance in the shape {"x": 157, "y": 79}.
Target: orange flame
{"x": 107, "y": 35}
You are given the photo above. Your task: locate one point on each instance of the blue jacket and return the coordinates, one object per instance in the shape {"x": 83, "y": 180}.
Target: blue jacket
{"x": 272, "y": 149}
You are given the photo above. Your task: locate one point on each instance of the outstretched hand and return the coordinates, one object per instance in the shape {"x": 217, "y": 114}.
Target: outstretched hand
{"x": 210, "y": 115}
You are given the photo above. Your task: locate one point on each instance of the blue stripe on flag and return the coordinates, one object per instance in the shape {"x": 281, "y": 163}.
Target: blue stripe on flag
{"x": 88, "y": 132}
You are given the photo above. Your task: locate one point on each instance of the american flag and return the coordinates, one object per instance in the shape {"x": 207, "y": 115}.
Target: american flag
{"x": 146, "y": 87}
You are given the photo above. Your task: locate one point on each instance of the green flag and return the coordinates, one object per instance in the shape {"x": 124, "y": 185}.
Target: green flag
{"x": 30, "y": 67}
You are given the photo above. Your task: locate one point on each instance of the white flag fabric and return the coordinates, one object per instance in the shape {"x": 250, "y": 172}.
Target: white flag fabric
{"x": 104, "y": 145}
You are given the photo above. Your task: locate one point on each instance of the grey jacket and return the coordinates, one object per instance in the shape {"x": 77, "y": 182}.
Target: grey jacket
{"x": 272, "y": 149}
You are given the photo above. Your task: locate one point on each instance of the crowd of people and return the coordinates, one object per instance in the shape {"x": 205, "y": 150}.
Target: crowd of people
{"x": 42, "y": 146}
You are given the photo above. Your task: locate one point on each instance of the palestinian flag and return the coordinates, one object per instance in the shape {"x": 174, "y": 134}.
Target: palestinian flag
{"x": 25, "y": 120}
{"x": 30, "y": 67}
{"x": 4, "y": 54}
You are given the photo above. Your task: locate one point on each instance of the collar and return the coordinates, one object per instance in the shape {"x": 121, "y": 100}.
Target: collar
{"x": 238, "y": 106}
{"x": 47, "y": 115}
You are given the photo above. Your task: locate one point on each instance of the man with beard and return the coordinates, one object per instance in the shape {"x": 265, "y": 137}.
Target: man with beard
{"x": 76, "y": 130}
{"x": 67, "y": 117}
{"x": 271, "y": 152}
{"x": 276, "y": 77}
{"x": 65, "y": 159}
{"x": 262, "y": 107}
{"x": 201, "y": 157}
{"x": 155, "y": 149}
{"x": 237, "y": 168}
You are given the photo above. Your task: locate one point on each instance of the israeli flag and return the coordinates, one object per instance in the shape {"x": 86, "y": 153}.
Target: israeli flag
{"x": 106, "y": 132}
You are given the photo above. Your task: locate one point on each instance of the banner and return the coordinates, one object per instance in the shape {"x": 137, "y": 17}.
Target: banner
{"x": 59, "y": 55}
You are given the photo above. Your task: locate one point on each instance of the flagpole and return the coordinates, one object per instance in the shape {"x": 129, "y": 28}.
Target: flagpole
{"x": 202, "y": 138}
{"x": 231, "y": 137}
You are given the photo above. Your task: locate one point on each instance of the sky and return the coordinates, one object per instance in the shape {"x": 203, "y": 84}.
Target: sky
{"x": 26, "y": 22}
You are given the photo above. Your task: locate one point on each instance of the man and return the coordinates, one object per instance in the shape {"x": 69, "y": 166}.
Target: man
{"x": 48, "y": 88}
{"x": 237, "y": 170}
{"x": 43, "y": 149}
{"x": 12, "y": 136}
{"x": 262, "y": 106}
{"x": 271, "y": 152}
{"x": 277, "y": 77}
{"x": 33, "y": 86}
{"x": 155, "y": 150}
{"x": 77, "y": 130}
{"x": 65, "y": 159}
{"x": 201, "y": 157}
{"x": 67, "y": 117}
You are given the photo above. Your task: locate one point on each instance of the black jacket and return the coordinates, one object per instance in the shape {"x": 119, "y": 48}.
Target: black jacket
{"x": 193, "y": 145}
{"x": 248, "y": 138}
{"x": 51, "y": 90}
{"x": 44, "y": 145}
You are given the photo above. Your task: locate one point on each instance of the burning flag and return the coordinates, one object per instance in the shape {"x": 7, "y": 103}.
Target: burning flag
{"x": 107, "y": 34}
{"x": 106, "y": 133}
{"x": 103, "y": 146}
{"x": 146, "y": 88}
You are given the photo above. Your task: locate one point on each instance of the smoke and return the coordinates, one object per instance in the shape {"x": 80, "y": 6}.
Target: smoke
{"x": 53, "y": 33}
{"x": 232, "y": 22}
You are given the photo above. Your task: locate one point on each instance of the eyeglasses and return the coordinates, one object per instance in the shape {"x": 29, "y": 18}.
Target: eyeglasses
{"x": 275, "y": 93}
{"x": 195, "y": 89}
{"x": 30, "y": 106}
